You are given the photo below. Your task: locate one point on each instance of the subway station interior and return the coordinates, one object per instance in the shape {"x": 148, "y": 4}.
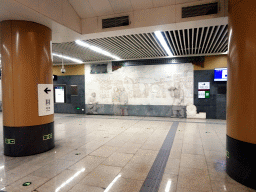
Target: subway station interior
{"x": 127, "y": 95}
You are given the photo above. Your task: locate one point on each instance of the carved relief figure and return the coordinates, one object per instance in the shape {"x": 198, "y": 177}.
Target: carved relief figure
{"x": 177, "y": 94}
{"x": 93, "y": 104}
{"x": 120, "y": 99}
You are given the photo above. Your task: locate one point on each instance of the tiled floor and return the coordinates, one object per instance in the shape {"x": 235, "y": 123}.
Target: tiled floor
{"x": 115, "y": 154}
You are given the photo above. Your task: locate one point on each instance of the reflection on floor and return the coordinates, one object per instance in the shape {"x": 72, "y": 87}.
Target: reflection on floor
{"x": 115, "y": 154}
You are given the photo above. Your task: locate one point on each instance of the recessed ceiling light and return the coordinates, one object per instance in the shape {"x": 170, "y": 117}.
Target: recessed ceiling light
{"x": 68, "y": 58}
{"x": 96, "y": 49}
{"x": 163, "y": 42}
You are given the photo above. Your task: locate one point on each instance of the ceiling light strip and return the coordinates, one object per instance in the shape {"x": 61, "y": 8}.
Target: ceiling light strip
{"x": 152, "y": 36}
{"x": 162, "y": 41}
{"x": 102, "y": 43}
{"x": 155, "y": 45}
{"x": 67, "y": 58}
{"x": 92, "y": 55}
{"x": 169, "y": 42}
{"x": 96, "y": 49}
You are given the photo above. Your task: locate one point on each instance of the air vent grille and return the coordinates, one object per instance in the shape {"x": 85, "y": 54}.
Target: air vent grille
{"x": 199, "y": 41}
{"x": 115, "y": 22}
{"x": 200, "y": 10}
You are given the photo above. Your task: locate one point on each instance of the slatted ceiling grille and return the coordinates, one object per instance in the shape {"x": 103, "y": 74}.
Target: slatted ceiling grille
{"x": 193, "y": 41}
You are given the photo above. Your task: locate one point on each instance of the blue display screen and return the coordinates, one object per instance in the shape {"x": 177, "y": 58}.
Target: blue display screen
{"x": 220, "y": 74}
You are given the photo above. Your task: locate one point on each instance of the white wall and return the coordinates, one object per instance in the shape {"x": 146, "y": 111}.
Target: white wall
{"x": 143, "y": 85}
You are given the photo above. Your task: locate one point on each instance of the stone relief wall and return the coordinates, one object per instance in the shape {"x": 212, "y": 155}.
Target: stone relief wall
{"x": 170, "y": 84}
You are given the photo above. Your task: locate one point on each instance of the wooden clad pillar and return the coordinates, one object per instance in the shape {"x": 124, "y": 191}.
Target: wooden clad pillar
{"x": 26, "y": 63}
{"x": 241, "y": 95}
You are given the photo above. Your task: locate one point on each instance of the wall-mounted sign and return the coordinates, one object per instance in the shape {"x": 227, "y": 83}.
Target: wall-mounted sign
{"x": 203, "y": 85}
{"x": 59, "y": 91}
{"x": 203, "y": 94}
{"x": 45, "y": 99}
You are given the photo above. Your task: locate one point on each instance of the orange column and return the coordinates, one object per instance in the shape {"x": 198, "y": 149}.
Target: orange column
{"x": 26, "y": 63}
{"x": 241, "y": 96}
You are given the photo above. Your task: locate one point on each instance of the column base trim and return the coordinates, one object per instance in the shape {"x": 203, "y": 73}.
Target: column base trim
{"x": 241, "y": 162}
{"x": 31, "y": 140}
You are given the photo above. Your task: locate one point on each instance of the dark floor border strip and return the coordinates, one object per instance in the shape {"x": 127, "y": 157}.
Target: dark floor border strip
{"x": 154, "y": 178}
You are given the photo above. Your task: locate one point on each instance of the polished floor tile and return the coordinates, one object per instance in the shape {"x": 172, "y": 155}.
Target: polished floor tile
{"x": 97, "y": 153}
{"x": 118, "y": 159}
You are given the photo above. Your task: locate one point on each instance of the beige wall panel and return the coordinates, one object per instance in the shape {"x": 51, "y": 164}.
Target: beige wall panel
{"x": 241, "y": 104}
{"x": 70, "y": 17}
{"x": 101, "y": 7}
{"x": 90, "y": 25}
{"x": 160, "y": 3}
{"x": 179, "y": 11}
{"x": 33, "y": 4}
{"x": 70, "y": 70}
{"x": 31, "y": 65}
{"x": 52, "y": 9}
{"x": 212, "y": 62}
{"x": 155, "y": 16}
{"x": 7, "y": 81}
{"x": 83, "y": 8}
{"x": 141, "y": 4}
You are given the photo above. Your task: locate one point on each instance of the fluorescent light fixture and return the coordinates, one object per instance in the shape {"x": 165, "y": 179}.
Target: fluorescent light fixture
{"x": 168, "y": 186}
{"x": 163, "y": 42}
{"x": 96, "y": 49}
{"x": 112, "y": 183}
{"x": 68, "y": 58}
{"x": 70, "y": 179}
{"x": 2, "y": 167}
{"x": 229, "y": 38}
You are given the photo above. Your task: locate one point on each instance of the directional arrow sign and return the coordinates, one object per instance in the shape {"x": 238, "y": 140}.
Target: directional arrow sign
{"x": 47, "y": 90}
{"x": 45, "y": 100}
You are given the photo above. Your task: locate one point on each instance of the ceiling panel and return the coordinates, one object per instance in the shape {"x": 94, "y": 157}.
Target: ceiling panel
{"x": 121, "y": 6}
{"x": 183, "y": 42}
{"x": 83, "y": 8}
{"x": 161, "y": 3}
{"x": 142, "y": 4}
{"x": 101, "y": 7}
